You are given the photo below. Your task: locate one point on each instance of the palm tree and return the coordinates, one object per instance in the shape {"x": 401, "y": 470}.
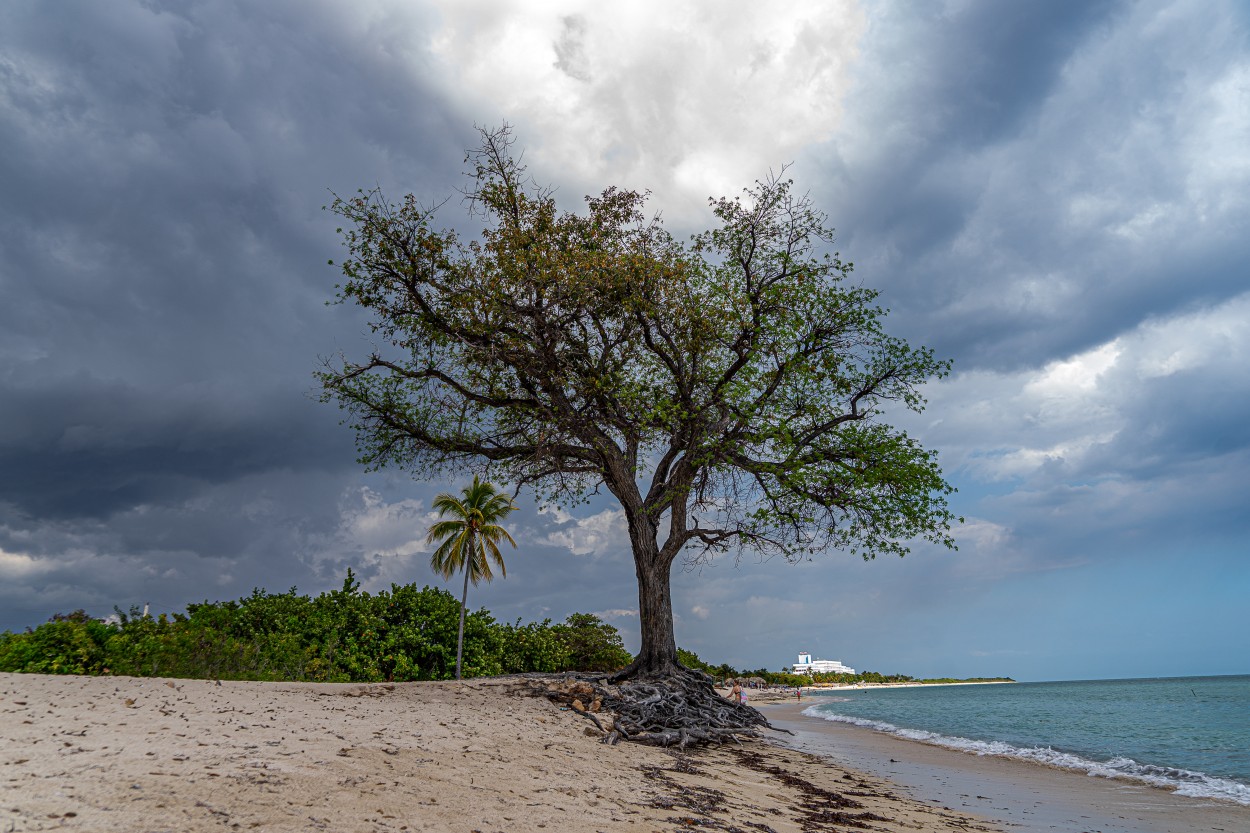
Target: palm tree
{"x": 470, "y": 540}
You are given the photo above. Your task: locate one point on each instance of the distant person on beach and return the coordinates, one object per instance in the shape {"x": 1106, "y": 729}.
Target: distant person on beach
{"x": 736, "y": 693}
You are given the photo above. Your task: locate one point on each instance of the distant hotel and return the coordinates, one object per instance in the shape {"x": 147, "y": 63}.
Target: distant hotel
{"x": 806, "y": 665}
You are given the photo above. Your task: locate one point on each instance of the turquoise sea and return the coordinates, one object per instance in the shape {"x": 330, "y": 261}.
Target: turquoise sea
{"x": 1190, "y": 734}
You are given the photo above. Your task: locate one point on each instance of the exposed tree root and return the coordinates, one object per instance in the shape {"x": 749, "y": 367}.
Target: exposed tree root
{"x": 680, "y": 709}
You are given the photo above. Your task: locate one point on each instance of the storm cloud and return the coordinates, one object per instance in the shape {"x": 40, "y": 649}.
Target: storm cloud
{"x": 1053, "y": 195}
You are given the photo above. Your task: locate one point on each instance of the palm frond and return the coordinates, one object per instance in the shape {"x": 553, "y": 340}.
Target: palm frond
{"x": 493, "y": 551}
{"x": 449, "y": 558}
{"x": 471, "y": 517}
{"x": 449, "y": 505}
{"x": 443, "y": 529}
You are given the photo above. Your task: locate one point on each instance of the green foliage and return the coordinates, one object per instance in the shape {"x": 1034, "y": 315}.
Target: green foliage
{"x": 691, "y": 660}
{"x": 533, "y": 647}
{"x": 592, "y": 644}
{"x": 730, "y": 392}
{"x": 568, "y": 350}
{"x": 346, "y": 635}
{"x": 583, "y": 642}
{"x": 71, "y": 643}
{"x": 469, "y": 539}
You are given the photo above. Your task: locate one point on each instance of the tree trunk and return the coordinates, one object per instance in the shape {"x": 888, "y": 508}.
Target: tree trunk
{"x": 658, "y": 654}
{"x": 657, "y": 657}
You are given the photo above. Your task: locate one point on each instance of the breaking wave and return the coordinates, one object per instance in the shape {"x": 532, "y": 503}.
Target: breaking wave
{"x": 1181, "y": 781}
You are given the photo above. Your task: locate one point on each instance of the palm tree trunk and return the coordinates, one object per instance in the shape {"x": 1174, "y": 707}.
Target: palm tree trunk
{"x": 460, "y": 639}
{"x": 464, "y": 595}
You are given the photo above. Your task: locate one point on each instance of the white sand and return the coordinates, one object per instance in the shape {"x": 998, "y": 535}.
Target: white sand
{"x": 105, "y": 753}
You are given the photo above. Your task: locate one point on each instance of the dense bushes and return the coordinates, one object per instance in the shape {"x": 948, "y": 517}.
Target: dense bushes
{"x": 68, "y": 644}
{"x": 341, "y": 636}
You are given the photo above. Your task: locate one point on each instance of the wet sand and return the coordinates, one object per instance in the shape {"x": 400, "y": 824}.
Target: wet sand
{"x": 1018, "y": 795}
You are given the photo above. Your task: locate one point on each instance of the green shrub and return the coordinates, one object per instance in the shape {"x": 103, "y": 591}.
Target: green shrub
{"x": 345, "y": 635}
{"x": 592, "y": 644}
{"x": 72, "y": 643}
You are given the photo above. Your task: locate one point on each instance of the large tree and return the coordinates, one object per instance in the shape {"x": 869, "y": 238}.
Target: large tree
{"x": 728, "y": 392}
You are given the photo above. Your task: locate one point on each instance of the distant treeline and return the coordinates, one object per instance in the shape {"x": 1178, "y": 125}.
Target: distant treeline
{"x": 785, "y": 678}
{"x": 342, "y": 636}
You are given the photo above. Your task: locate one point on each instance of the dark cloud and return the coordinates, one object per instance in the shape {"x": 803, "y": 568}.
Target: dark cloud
{"x": 86, "y": 448}
{"x": 987, "y": 66}
{"x": 1030, "y": 180}
{"x": 164, "y": 275}
{"x": 164, "y": 248}
{"x": 1053, "y": 195}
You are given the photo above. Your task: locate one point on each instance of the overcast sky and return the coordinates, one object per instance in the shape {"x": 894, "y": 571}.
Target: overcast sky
{"x": 1054, "y": 195}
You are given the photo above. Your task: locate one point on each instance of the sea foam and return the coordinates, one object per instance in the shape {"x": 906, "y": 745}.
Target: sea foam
{"x": 1181, "y": 781}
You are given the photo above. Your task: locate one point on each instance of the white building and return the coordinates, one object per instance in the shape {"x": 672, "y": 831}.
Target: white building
{"x": 806, "y": 665}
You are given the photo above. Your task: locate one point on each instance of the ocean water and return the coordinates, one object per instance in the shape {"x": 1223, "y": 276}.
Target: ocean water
{"x": 1189, "y": 734}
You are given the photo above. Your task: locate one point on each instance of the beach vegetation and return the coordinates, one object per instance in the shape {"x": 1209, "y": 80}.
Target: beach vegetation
{"x": 71, "y": 643}
{"x": 593, "y": 644}
{"x": 345, "y": 635}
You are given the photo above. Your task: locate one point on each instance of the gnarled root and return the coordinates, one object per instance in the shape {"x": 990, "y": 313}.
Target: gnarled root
{"x": 678, "y": 709}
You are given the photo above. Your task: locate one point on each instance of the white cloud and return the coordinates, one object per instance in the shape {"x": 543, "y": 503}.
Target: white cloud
{"x": 617, "y": 613}
{"x": 984, "y": 534}
{"x": 1215, "y": 338}
{"x": 370, "y": 528}
{"x": 1216, "y": 151}
{"x": 1135, "y": 174}
{"x": 17, "y": 565}
{"x": 1201, "y": 115}
{"x": 1074, "y": 377}
{"x": 685, "y": 100}
{"x": 1014, "y": 424}
{"x": 1123, "y": 447}
{"x": 990, "y": 552}
{"x": 592, "y": 535}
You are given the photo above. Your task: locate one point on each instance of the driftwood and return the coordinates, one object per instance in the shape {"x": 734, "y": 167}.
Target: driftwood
{"x": 680, "y": 710}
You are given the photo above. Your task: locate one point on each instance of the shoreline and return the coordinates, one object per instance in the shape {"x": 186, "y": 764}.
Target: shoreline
{"x": 152, "y": 754}
{"x": 862, "y": 686}
{"x": 1018, "y": 794}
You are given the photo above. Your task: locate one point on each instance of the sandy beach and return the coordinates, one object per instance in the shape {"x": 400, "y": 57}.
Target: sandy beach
{"x": 118, "y": 753}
